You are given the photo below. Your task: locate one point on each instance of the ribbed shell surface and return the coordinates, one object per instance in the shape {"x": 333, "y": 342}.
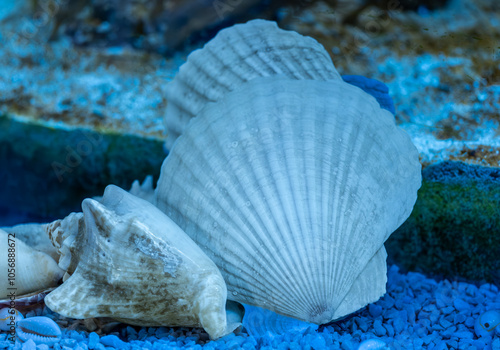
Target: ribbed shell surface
{"x": 291, "y": 188}
{"x": 236, "y": 55}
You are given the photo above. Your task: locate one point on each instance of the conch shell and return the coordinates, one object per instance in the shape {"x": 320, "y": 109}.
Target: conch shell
{"x": 291, "y": 187}
{"x": 135, "y": 265}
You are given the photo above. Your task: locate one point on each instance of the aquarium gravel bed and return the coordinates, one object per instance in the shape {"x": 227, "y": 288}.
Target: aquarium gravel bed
{"x": 417, "y": 312}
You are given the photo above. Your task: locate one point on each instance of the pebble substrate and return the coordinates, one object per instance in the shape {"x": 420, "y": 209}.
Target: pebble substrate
{"x": 416, "y": 313}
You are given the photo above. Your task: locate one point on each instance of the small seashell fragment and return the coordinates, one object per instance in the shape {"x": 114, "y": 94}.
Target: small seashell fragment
{"x": 40, "y": 329}
{"x": 8, "y": 318}
{"x": 486, "y": 323}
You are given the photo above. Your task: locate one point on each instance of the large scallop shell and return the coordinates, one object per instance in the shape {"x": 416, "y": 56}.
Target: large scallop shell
{"x": 236, "y": 55}
{"x": 139, "y": 267}
{"x": 291, "y": 187}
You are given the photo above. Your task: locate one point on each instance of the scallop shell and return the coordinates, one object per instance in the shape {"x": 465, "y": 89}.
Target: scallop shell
{"x": 291, "y": 188}
{"x": 31, "y": 271}
{"x": 236, "y": 55}
{"x": 137, "y": 266}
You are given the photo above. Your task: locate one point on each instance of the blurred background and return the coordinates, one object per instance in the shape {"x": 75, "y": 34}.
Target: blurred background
{"x": 82, "y": 96}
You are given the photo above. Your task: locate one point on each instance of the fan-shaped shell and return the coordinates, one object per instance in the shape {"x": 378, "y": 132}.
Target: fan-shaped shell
{"x": 291, "y": 188}
{"x": 236, "y": 55}
{"x": 137, "y": 266}
{"x": 26, "y": 269}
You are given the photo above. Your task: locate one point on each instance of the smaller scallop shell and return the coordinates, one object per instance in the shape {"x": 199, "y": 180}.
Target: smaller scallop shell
{"x": 137, "y": 266}
{"x": 34, "y": 270}
{"x": 236, "y": 55}
{"x": 40, "y": 329}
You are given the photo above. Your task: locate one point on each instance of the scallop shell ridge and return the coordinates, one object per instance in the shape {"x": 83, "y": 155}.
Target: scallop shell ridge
{"x": 295, "y": 199}
{"x": 236, "y": 55}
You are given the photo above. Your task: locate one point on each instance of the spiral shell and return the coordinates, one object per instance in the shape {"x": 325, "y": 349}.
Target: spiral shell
{"x": 135, "y": 265}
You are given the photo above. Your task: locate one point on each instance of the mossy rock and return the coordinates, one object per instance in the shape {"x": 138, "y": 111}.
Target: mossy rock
{"x": 48, "y": 169}
{"x": 454, "y": 229}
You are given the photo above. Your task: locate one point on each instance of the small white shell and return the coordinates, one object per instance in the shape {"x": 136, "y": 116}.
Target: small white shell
{"x": 137, "y": 266}
{"x": 236, "y": 55}
{"x": 40, "y": 329}
{"x": 373, "y": 344}
{"x": 26, "y": 269}
{"x": 291, "y": 187}
{"x": 8, "y": 318}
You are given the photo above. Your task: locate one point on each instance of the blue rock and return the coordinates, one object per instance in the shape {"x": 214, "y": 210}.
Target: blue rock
{"x": 318, "y": 343}
{"x": 29, "y": 345}
{"x": 70, "y": 343}
{"x": 375, "y": 310}
{"x": 42, "y": 347}
{"x": 441, "y": 345}
{"x": 461, "y": 305}
{"x": 463, "y": 335}
{"x": 470, "y": 321}
{"x": 459, "y": 318}
{"x": 399, "y": 324}
{"x": 379, "y": 329}
{"x": 496, "y": 344}
{"x": 93, "y": 340}
{"x": 373, "y": 87}
{"x": 83, "y": 345}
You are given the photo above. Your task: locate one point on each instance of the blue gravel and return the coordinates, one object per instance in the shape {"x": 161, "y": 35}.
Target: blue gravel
{"x": 416, "y": 313}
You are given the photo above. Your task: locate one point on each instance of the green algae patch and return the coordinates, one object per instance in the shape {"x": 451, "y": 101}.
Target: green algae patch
{"x": 48, "y": 169}
{"x": 454, "y": 229}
